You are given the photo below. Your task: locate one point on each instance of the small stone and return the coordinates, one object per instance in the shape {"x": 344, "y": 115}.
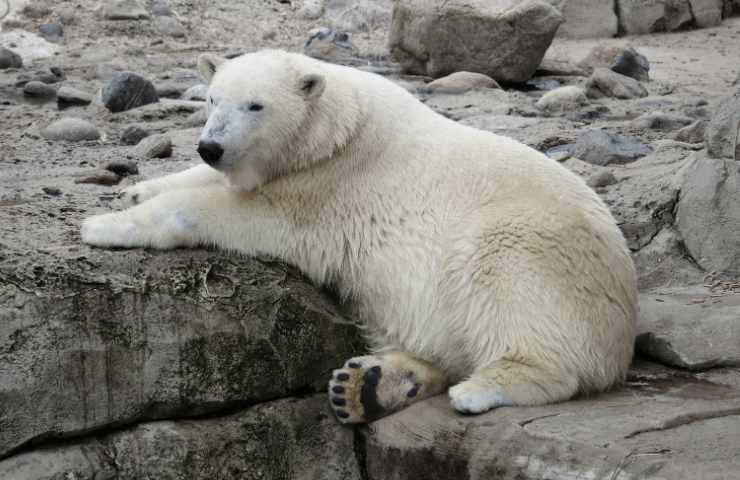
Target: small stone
{"x": 562, "y": 99}
{"x": 329, "y": 45}
{"x": 161, "y": 8}
{"x": 561, "y": 153}
{"x": 36, "y": 9}
{"x": 133, "y": 134}
{"x": 311, "y": 9}
{"x": 197, "y": 93}
{"x": 52, "y": 32}
{"x": 693, "y": 133}
{"x": 66, "y": 15}
{"x": 660, "y": 121}
{"x": 39, "y": 90}
{"x": 602, "y": 148}
{"x": 154, "y": 146}
{"x": 607, "y": 83}
{"x": 128, "y": 90}
{"x": 631, "y": 64}
{"x": 169, "y": 26}
{"x": 461, "y": 82}
{"x": 9, "y": 59}
{"x": 101, "y": 177}
{"x": 71, "y": 130}
{"x": 123, "y": 169}
{"x": 124, "y": 10}
{"x": 601, "y": 179}
{"x": 69, "y": 97}
{"x": 53, "y": 191}
{"x": 269, "y": 35}
{"x": 559, "y": 67}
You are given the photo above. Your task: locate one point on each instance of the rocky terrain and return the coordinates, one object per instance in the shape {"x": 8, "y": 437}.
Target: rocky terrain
{"x": 205, "y": 364}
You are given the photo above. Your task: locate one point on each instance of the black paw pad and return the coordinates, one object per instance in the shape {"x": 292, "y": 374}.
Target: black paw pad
{"x": 369, "y": 393}
{"x": 342, "y": 377}
{"x": 338, "y": 389}
{"x": 341, "y": 413}
{"x": 414, "y": 391}
{"x": 353, "y": 365}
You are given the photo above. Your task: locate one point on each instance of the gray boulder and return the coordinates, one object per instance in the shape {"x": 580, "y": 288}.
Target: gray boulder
{"x": 295, "y": 439}
{"x": 587, "y": 18}
{"x": 9, "y": 59}
{"x": 124, "y": 10}
{"x": 461, "y": 82}
{"x": 562, "y": 99}
{"x": 154, "y": 146}
{"x": 640, "y": 16}
{"x": 505, "y": 39}
{"x": 709, "y": 213}
{"x": 69, "y": 97}
{"x": 660, "y": 121}
{"x": 598, "y": 147}
{"x": 71, "y": 130}
{"x": 707, "y": 13}
{"x": 631, "y": 64}
{"x": 128, "y": 90}
{"x": 693, "y": 133}
{"x": 607, "y": 83}
{"x": 92, "y": 339}
{"x": 693, "y": 328}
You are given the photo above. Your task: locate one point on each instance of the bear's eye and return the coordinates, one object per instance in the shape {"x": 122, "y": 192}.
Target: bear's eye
{"x": 255, "y": 107}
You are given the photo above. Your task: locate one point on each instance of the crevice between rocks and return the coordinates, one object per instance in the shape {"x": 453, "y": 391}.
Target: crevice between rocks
{"x": 686, "y": 419}
{"x": 359, "y": 445}
{"x": 68, "y": 438}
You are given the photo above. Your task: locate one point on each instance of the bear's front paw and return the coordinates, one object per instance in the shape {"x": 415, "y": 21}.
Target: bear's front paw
{"x": 109, "y": 230}
{"x": 139, "y": 193}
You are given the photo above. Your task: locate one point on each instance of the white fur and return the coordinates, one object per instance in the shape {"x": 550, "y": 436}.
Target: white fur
{"x": 460, "y": 247}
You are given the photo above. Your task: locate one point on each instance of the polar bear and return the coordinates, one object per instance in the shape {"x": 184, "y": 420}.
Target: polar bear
{"x": 473, "y": 260}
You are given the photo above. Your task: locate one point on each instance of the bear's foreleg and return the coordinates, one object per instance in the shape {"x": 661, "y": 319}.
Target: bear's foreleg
{"x": 510, "y": 383}
{"x": 373, "y": 386}
{"x": 215, "y": 215}
{"x": 198, "y": 176}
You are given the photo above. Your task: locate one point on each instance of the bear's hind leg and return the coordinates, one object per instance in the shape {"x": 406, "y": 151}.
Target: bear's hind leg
{"x": 510, "y": 383}
{"x": 373, "y": 386}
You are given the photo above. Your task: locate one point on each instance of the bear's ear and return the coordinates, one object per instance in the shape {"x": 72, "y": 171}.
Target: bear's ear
{"x": 207, "y": 65}
{"x": 312, "y": 85}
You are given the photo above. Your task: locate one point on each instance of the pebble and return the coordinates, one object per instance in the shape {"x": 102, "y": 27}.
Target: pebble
{"x": 52, "y": 32}
{"x": 124, "y": 10}
{"x": 169, "y": 26}
{"x": 133, "y": 134}
{"x": 123, "y": 169}
{"x": 154, "y": 146}
{"x": 601, "y": 179}
{"x": 607, "y": 83}
{"x": 161, "y": 8}
{"x": 461, "y": 82}
{"x": 128, "y": 90}
{"x": 53, "y": 191}
{"x": 100, "y": 177}
{"x": 9, "y": 59}
{"x": 598, "y": 147}
{"x": 38, "y": 89}
{"x": 562, "y": 99}
{"x": 71, "y": 129}
{"x": 631, "y": 64}
{"x": 69, "y": 97}
{"x": 66, "y": 15}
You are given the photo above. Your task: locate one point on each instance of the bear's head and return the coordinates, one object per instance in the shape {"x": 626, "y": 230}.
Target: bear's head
{"x": 265, "y": 115}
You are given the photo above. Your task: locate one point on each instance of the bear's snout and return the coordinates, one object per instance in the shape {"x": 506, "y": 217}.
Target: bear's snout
{"x": 210, "y": 152}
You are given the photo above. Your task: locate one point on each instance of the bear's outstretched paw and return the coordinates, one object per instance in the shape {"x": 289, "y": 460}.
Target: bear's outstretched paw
{"x": 108, "y": 230}
{"x": 371, "y": 387}
{"x": 471, "y": 398}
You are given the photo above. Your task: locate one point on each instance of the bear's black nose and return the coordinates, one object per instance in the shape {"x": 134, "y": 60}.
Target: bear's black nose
{"x": 210, "y": 152}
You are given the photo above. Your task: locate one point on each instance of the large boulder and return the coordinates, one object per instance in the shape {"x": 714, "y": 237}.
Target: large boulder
{"x": 709, "y": 213}
{"x": 295, "y": 439}
{"x": 707, "y": 13}
{"x": 658, "y": 427}
{"x": 587, "y": 18}
{"x": 640, "y": 16}
{"x": 504, "y": 39}
{"x": 92, "y": 339}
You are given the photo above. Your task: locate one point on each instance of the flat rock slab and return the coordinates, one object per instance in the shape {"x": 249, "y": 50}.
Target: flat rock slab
{"x": 691, "y": 328}
{"x": 92, "y": 339}
{"x": 296, "y": 439}
{"x": 662, "y": 425}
